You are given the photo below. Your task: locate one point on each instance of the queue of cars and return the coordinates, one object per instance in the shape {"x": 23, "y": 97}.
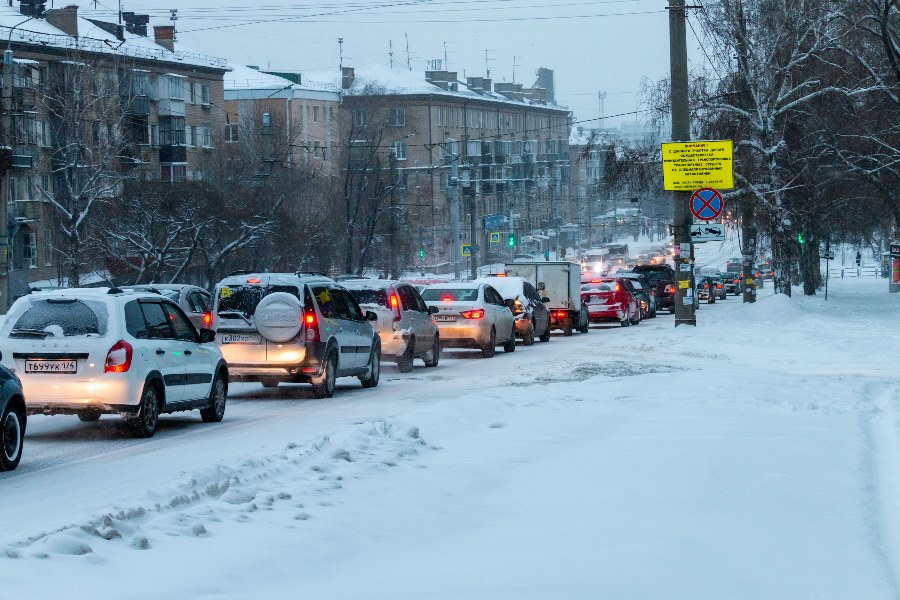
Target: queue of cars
{"x": 142, "y": 351}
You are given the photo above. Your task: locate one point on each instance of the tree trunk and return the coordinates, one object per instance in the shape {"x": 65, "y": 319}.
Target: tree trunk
{"x": 809, "y": 268}
{"x": 781, "y": 261}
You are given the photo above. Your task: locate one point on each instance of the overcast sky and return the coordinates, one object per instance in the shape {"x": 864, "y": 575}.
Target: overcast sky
{"x": 592, "y": 45}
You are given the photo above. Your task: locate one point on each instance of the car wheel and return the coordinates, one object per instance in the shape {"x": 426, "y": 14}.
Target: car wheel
{"x": 510, "y": 344}
{"x": 12, "y": 438}
{"x": 433, "y": 356}
{"x": 269, "y": 384}
{"x": 217, "y": 396}
{"x": 636, "y": 319}
{"x": 405, "y": 362}
{"x": 653, "y": 313}
{"x": 545, "y": 337}
{"x": 371, "y": 379}
{"x": 143, "y": 425}
{"x": 324, "y": 386}
{"x": 528, "y": 338}
{"x": 489, "y": 349}
{"x": 88, "y": 417}
{"x": 567, "y": 330}
{"x": 626, "y": 321}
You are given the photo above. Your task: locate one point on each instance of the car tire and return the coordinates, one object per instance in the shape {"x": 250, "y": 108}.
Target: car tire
{"x": 433, "y": 356}
{"x": 217, "y": 396}
{"x": 625, "y": 322}
{"x": 489, "y": 349}
{"x": 545, "y": 337}
{"x": 269, "y": 384}
{"x": 143, "y": 424}
{"x": 568, "y": 329}
{"x": 405, "y": 362}
{"x": 637, "y": 318}
{"x": 653, "y": 313}
{"x": 12, "y": 438}
{"x": 325, "y": 388}
{"x": 510, "y": 344}
{"x": 370, "y": 380}
{"x": 89, "y": 417}
{"x": 528, "y": 338}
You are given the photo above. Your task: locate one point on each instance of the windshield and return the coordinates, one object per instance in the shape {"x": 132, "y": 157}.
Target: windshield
{"x": 58, "y": 317}
{"x": 243, "y": 299}
{"x": 378, "y": 297}
{"x": 450, "y": 295}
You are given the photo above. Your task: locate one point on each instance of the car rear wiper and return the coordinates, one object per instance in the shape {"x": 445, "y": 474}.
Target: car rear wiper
{"x": 32, "y": 332}
{"x": 233, "y": 314}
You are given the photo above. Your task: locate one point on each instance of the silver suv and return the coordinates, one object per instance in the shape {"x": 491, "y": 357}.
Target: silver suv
{"x": 295, "y": 328}
{"x": 405, "y": 324}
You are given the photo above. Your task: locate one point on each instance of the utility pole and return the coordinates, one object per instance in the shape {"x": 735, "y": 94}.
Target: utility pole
{"x": 473, "y": 255}
{"x": 392, "y": 158}
{"x": 453, "y": 190}
{"x": 681, "y": 132}
{"x": 748, "y": 231}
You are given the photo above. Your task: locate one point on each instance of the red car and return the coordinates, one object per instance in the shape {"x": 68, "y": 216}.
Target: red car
{"x": 609, "y": 299}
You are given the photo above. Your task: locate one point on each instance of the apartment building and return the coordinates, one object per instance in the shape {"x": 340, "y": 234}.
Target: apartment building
{"x": 297, "y": 118}
{"x": 86, "y": 107}
{"x": 506, "y": 143}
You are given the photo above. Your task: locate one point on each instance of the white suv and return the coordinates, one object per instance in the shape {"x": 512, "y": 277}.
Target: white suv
{"x": 405, "y": 324}
{"x": 294, "y": 328}
{"x": 89, "y": 352}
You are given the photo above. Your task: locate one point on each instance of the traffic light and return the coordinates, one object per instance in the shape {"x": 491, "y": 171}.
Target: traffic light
{"x": 422, "y": 253}
{"x": 800, "y": 239}
{"x": 512, "y": 240}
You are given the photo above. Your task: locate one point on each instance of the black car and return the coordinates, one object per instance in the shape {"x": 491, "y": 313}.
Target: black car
{"x": 643, "y": 293}
{"x": 12, "y": 420}
{"x": 706, "y": 289}
{"x": 662, "y": 281}
{"x": 732, "y": 283}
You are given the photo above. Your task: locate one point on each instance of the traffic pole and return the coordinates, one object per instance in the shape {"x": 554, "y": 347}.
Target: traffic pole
{"x": 681, "y": 132}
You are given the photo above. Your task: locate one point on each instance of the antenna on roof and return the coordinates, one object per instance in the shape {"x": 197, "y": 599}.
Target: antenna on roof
{"x": 173, "y": 17}
{"x": 446, "y": 60}
{"x": 487, "y": 64}
{"x": 515, "y": 64}
{"x": 391, "y": 53}
{"x": 341, "y": 53}
{"x": 408, "y": 64}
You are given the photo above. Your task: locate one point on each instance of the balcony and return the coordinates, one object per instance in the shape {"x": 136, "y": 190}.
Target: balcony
{"x": 138, "y": 106}
{"x": 23, "y": 98}
{"x": 172, "y": 154}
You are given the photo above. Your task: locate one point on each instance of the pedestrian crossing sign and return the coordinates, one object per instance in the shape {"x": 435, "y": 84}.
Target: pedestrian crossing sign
{"x": 495, "y": 237}
{"x": 466, "y": 250}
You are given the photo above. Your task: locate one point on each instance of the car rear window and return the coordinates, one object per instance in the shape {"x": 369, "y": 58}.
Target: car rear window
{"x": 243, "y": 299}
{"x": 603, "y": 286}
{"x": 58, "y": 317}
{"x": 450, "y": 294}
{"x": 378, "y": 297}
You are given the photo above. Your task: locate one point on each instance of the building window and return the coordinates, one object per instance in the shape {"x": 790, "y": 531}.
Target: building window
{"x": 361, "y": 117}
{"x": 398, "y": 116}
{"x": 18, "y": 189}
{"x": 203, "y": 137}
{"x": 189, "y": 136}
{"x": 204, "y": 94}
{"x": 232, "y": 132}
{"x": 315, "y": 114}
{"x": 48, "y": 247}
{"x": 29, "y": 250}
{"x": 175, "y": 85}
{"x": 398, "y": 149}
{"x": 140, "y": 83}
{"x": 172, "y": 173}
{"x": 171, "y": 131}
{"x": 473, "y": 148}
{"x": 331, "y": 114}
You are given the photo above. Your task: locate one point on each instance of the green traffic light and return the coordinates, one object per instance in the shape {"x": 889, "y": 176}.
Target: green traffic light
{"x": 800, "y": 238}
{"x": 512, "y": 240}
{"x": 421, "y": 252}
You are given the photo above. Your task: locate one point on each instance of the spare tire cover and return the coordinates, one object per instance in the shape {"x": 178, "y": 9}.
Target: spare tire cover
{"x": 278, "y": 317}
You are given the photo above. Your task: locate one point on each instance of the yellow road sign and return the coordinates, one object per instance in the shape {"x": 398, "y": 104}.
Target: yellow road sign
{"x": 689, "y": 166}
{"x": 466, "y": 249}
{"x": 495, "y": 237}
{"x": 684, "y": 284}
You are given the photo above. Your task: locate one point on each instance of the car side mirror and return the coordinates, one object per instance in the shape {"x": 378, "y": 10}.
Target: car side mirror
{"x": 371, "y": 316}
{"x": 433, "y": 310}
{"x": 545, "y": 299}
{"x": 207, "y": 335}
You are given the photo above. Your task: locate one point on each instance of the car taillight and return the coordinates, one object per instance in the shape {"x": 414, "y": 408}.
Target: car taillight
{"x": 670, "y": 289}
{"x": 718, "y": 286}
{"x": 477, "y": 313}
{"x": 561, "y": 314}
{"x": 207, "y": 319}
{"x": 394, "y": 302}
{"x": 118, "y": 359}
{"x": 309, "y": 322}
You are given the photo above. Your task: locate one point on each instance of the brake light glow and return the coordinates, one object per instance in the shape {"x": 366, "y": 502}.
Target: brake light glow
{"x": 254, "y": 280}
{"x": 477, "y": 313}
{"x": 395, "y": 305}
{"x": 500, "y": 275}
{"x": 312, "y": 332}
{"x": 719, "y": 286}
{"x": 446, "y": 298}
{"x": 118, "y": 359}
{"x": 618, "y": 288}
{"x": 561, "y": 315}
{"x": 595, "y": 281}
{"x": 207, "y": 319}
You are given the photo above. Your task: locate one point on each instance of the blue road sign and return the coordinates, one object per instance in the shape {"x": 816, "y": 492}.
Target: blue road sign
{"x": 706, "y": 204}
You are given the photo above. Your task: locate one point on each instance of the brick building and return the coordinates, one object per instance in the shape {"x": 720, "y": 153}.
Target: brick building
{"x": 508, "y": 142}
{"x": 95, "y": 101}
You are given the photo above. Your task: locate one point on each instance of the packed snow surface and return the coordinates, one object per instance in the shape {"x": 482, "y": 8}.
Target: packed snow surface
{"x": 755, "y": 456}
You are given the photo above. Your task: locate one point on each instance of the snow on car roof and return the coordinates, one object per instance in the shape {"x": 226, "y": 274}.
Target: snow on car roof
{"x": 508, "y": 287}
{"x": 454, "y": 285}
{"x": 369, "y": 284}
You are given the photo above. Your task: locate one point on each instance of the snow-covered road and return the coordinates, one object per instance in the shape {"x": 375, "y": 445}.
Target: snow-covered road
{"x": 756, "y": 456}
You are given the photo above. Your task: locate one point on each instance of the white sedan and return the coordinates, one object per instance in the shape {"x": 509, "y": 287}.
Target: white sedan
{"x": 472, "y": 315}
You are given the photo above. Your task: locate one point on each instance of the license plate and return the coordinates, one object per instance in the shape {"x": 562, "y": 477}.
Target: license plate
{"x": 241, "y": 338}
{"x": 51, "y": 366}
{"x": 445, "y": 318}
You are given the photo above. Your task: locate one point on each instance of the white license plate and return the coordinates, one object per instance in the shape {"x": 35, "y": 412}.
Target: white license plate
{"x": 51, "y": 366}
{"x": 240, "y": 338}
{"x": 445, "y": 318}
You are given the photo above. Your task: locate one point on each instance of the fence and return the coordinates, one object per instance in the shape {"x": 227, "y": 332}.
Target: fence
{"x": 850, "y": 272}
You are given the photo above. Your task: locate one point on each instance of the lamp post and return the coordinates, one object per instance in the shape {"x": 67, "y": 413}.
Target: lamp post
{"x": 392, "y": 160}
